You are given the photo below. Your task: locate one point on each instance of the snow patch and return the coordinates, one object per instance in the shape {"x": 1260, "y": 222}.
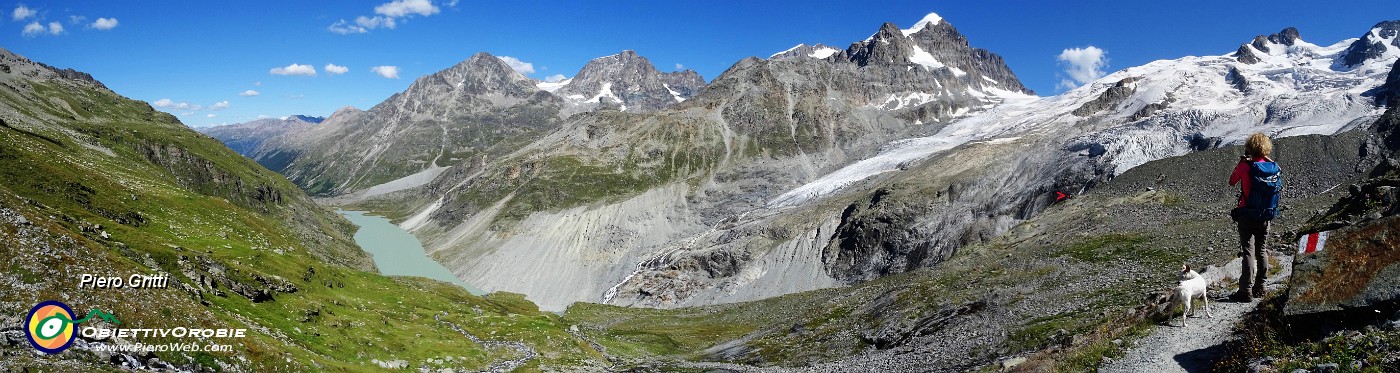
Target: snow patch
{"x": 789, "y": 50}
{"x": 924, "y": 58}
{"x": 606, "y": 91}
{"x": 1004, "y": 140}
{"x": 674, "y": 94}
{"x": 888, "y": 160}
{"x": 929, "y": 20}
{"x": 911, "y": 99}
{"x": 818, "y": 53}
{"x": 823, "y": 53}
{"x": 551, "y": 87}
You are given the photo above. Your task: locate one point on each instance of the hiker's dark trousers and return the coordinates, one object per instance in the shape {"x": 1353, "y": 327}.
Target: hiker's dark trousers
{"x": 1253, "y": 266}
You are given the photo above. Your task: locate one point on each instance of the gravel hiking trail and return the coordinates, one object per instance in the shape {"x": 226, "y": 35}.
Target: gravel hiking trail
{"x": 1195, "y": 347}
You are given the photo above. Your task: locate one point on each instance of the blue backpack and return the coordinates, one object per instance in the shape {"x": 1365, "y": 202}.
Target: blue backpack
{"x": 1265, "y": 183}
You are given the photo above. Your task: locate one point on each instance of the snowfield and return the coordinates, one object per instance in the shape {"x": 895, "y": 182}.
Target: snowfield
{"x": 1295, "y": 90}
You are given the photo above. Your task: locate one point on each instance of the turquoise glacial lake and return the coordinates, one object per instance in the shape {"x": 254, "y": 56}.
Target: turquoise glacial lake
{"x": 397, "y": 252}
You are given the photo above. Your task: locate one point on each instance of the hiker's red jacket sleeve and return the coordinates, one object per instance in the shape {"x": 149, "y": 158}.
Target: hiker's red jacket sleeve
{"x": 1241, "y": 173}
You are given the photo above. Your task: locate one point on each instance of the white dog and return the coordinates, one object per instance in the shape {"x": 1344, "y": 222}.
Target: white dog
{"x": 1192, "y": 285}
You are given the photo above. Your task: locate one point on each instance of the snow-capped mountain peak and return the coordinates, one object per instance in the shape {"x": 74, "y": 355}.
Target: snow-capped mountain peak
{"x": 626, "y": 81}
{"x": 929, "y": 20}
{"x": 1167, "y": 108}
{"x": 1285, "y": 48}
{"x": 1380, "y": 44}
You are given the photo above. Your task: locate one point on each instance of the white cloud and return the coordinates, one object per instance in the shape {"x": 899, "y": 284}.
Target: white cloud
{"x": 391, "y": 72}
{"x": 387, "y": 16}
{"x": 77, "y": 20}
{"x": 33, "y": 29}
{"x": 555, "y": 78}
{"x": 257, "y": 84}
{"x": 104, "y": 23}
{"x": 263, "y": 116}
{"x": 680, "y": 67}
{"x": 400, "y": 8}
{"x": 211, "y": 115}
{"x": 166, "y": 103}
{"x": 21, "y": 12}
{"x": 1082, "y": 65}
{"x": 334, "y": 69}
{"x": 187, "y": 108}
{"x": 363, "y": 24}
{"x": 518, "y": 65}
{"x": 294, "y": 69}
{"x": 249, "y": 93}
{"x": 345, "y": 28}
{"x": 376, "y": 22}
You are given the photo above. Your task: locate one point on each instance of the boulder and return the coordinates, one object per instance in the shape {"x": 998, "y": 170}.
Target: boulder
{"x": 1358, "y": 268}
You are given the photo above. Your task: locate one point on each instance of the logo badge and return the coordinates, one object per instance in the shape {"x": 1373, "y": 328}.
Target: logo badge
{"x": 50, "y": 326}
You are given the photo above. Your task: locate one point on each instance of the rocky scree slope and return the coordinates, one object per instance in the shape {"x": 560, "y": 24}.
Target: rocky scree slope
{"x": 93, "y": 182}
{"x": 1114, "y": 251}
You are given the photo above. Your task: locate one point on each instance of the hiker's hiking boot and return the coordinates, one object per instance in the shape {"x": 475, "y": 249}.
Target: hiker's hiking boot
{"x": 1241, "y": 296}
{"x": 1258, "y": 292}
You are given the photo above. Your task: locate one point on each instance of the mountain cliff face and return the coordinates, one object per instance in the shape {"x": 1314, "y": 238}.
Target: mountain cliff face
{"x": 479, "y": 108}
{"x": 934, "y": 45}
{"x": 1381, "y": 43}
{"x": 628, "y": 82}
{"x": 686, "y": 83}
{"x": 474, "y": 111}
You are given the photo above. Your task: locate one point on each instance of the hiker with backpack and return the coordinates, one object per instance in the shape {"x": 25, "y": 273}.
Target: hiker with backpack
{"x": 1260, "y": 183}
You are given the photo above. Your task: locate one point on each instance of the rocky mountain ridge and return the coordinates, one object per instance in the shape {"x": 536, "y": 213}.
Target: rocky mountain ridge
{"x": 245, "y": 138}
{"x": 599, "y": 190}
{"x": 628, "y": 82}
{"x": 921, "y": 199}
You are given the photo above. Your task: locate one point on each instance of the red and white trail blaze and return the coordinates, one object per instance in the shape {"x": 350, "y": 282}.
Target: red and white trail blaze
{"x": 1312, "y": 242}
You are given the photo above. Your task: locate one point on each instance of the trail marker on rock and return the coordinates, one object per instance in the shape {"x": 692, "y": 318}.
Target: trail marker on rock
{"x": 1312, "y": 242}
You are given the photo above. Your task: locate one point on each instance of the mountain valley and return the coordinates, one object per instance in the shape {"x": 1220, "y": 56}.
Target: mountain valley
{"x": 905, "y": 203}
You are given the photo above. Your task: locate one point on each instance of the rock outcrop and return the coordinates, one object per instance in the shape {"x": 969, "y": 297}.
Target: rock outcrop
{"x": 1358, "y": 268}
{"x": 1380, "y": 42}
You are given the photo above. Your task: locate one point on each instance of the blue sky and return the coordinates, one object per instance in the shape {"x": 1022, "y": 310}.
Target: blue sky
{"x": 209, "y": 55}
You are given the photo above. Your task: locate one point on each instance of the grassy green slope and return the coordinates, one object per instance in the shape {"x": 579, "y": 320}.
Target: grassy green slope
{"x": 91, "y": 182}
